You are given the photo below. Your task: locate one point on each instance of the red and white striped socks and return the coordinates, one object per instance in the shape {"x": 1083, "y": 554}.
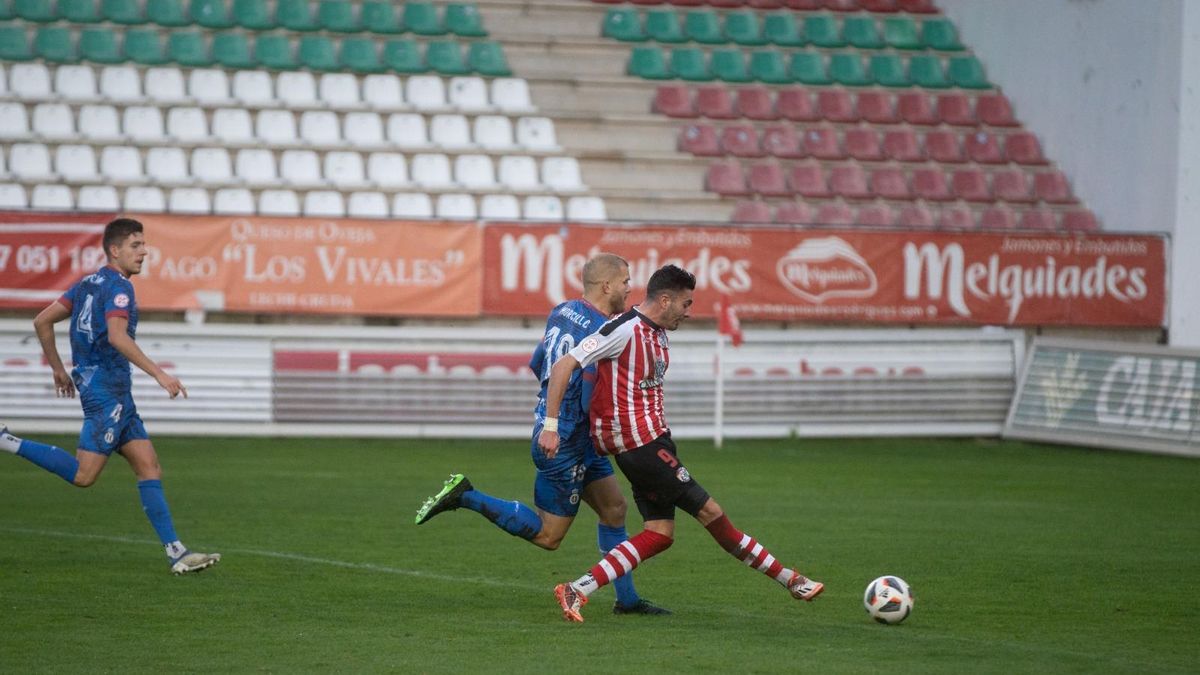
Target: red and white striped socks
{"x": 622, "y": 560}
{"x": 747, "y": 549}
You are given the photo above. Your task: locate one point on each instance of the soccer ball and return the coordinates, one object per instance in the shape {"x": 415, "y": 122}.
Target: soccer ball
{"x": 888, "y": 599}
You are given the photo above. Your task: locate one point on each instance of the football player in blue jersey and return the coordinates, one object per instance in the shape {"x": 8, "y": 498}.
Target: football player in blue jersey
{"x": 576, "y": 472}
{"x": 104, "y": 315}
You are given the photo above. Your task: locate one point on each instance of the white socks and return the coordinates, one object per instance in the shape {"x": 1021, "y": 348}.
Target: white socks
{"x": 175, "y": 549}
{"x": 9, "y": 443}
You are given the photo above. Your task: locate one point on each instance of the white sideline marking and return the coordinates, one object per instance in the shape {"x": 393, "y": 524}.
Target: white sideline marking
{"x": 297, "y": 557}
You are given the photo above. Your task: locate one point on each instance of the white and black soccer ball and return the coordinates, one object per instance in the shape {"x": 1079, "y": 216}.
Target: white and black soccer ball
{"x": 888, "y": 599}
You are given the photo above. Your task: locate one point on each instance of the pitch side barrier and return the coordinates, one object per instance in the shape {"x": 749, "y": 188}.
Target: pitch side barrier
{"x": 1110, "y": 395}
{"x": 475, "y": 382}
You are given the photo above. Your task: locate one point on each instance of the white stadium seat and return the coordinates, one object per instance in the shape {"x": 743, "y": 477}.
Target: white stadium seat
{"x": 30, "y": 81}
{"x": 51, "y": 198}
{"x": 499, "y": 207}
{"x": 412, "y": 205}
{"x": 344, "y": 169}
{"x": 363, "y": 129}
{"x": 387, "y": 169}
{"x": 167, "y": 166}
{"x": 76, "y": 163}
{"x": 320, "y": 127}
{"x": 539, "y": 207}
{"x": 75, "y": 83}
{"x": 53, "y": 121}
{"x": 425, "y": 92}
{"x": 148, "y": 199}
{"x": 13, "y": 197}
{"x": 367, "y": 205}
{"x": 3, "y": 81}
{"x": 165, "y": 85}
{"x": 586, "y": 208}
{"x": 475, "y": 172}
{"x": 121, "y": 84}
{"x": 253, "y": 88}
{"x": 383, "y": 92}
{"x": 327, "y": 203}
{"x": 469, "y": 94}
{"x": 432, "y": 171}
{"x": 256, "y": 166}
{"x": 188, "y": 200}
{"x": 232, "y": 126}
{"x": 121, "y": 164}
{"x": 99, "y": 123}
{"x": 233, "y": 202}
{"x": 407, "y": 130}
{"x": 339, "y": 91}
{"x": 511, "y": 95}
{"x": 537, "y": 134}
{"x": 211, "y": 166}
{"x": 209, "y": 86}
{"x": 14, "y": 121}
{"x": 456, "y": 206}
{"x": 450, "y": 132}
{"x": 300, "y": 168}
{"x": 296, "y": 90}
{"x": 519, "y": 173}
{"x": 187, "y": 125}
{"x": 278, "y": 203}
{"x": 143, "y": 123}
{"x": 3, "y": 167}
{"x": 98, "y": 198}
{"x": 30, "y": 162}
{"x": 561, "y": 174}
{"x": 494, "y": 132}
{"x": 276, "y": 127}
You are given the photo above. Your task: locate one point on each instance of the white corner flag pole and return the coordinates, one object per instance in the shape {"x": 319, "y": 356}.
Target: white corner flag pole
{"x": 719, "y": 413}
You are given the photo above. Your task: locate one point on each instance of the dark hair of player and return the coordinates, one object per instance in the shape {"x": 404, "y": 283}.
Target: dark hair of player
{"x": 116, "y": 232}
{"x": 670, "y": 279}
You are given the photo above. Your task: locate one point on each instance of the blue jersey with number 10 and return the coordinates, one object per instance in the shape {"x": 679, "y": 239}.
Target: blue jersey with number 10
{"x": 93, "y": 301}
{"x": 567, "y": 325}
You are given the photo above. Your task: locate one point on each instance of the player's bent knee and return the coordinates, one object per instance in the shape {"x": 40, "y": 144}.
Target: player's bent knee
{"x": 82, "y": 481}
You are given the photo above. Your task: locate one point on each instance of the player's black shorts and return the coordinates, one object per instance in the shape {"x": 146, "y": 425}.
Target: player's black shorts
{"x": 660, "y": 481}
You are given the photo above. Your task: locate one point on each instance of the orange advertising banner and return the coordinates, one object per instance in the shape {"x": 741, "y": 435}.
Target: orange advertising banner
{"x": 282, "y": 265}
{"x": 847, "y": 275}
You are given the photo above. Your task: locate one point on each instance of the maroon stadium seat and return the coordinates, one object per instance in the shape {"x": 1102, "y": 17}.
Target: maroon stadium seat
{"x": 726, "y": 3}
{"x": 1023, "y": 147}
{"x": 768, "y": 178}
{"x": 880, "y": 5}
{"x": 726, "y": 179}
{"x": 983, "y": 147}
{"x": 794, "y": 212}
{"x": 756, "y": 103}
{"x": 917, "y": 6}
{"x": 765, "y": 4}
{"x": 916, "y": 108}
{"x": 1052, "y": 187}
{"x": 842, "y": 5}
{"x": 849, "y": 181}
{"x": 796, "y": 104}
{"x": 877, "y": 107}
{"x": 808, "y": 180}
{"x": 674, "y": 100}
{"x": 822, "y": 143}
{"x": 836, "y": 105}
{"x": 804, "y": 4}
{"x": 716, "y": 102}
{"x": 863, "y": 143}
{"x": 875, "y": 214}
{"x": 699, "y": 139}
{"x": 741, "y": 140}
{"x": 944, "y": 146}
{"x": 1039, "y": 220}
{"x": 916, "y": 216}
{"x": 835, "y": 213}
{"x": 1080, "y": 220}
{"x": 956, "y": 217}
{"x": 930, "y": 183}
{"x": 689, "y": 3}
{"x": 1012, "y": 185}
{"x": 971, "y": 185}
{"x": 955, "y": 108}
{"x": 890, "y": 183}
{"x": 781, "y": 140}
{"x": 751, "y": 212}
{"x": 995, "y": 110}
{"x": 998, "y": 217}
{"x": 902, "y": 145}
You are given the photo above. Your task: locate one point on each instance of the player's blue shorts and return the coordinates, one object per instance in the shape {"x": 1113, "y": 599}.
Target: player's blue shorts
{"x": 560, "y": 481}
{"x": 109, "y": 421}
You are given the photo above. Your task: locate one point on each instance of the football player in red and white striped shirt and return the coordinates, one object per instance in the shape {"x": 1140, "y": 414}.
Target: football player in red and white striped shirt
{"x": 631, "y": 353}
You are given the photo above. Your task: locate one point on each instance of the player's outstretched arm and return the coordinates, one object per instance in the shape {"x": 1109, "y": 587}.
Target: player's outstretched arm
{"x": 43, "y": 325}
{"x": 120, "y": 340}
{"x": 556, "y": 388}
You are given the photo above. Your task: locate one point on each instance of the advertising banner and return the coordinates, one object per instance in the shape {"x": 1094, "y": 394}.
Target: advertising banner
{"x": 42, "y": 255}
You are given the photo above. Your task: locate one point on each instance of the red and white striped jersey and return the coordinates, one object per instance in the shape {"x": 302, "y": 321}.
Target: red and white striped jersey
{"x": 631, "y": 357}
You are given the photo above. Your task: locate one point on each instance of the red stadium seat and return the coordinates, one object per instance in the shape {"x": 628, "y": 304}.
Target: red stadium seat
{"x": 689, "y": 3}
{"x": 1038, "y": 220}
{"x": 849, "y": 181}
{"x": 647, "y": 2}
{"x": 726, "y": 179}
{"x": 808, "y": 180}
{"x": 915, "y": 216}
{"x": 796, "y": 104}
{"x": 998, "y": 217}
{"x": 917, "y": 6}
{"x": 674, "y": 100}
{"x": 741, "y": 140}
{"x": 955, "y": 108}
{"x": 836, "y": 105}
{"x": 880, "y": 5}
{"x": 1080, "y": 220}
{"x": 916, "y": 108}
{"x": 751, "y": 212}
{"x": 822, "y": 143}
{"x": 699, "y": 139}
{"x": 835, "y": 213}
{"x": 1012, "y": 185}
{"x": 995, "y": 110}
{"x": 943, "y": 146}
{"x": 716, "y": 102}
{"x": 1052, "y": 187}
{"x": 1023, "y": 147}
{"x": 863, "y": 143}
{"x": 877, "y": 107}
{"x": 956, "y": 217}
{"x": 767, "y": 178}
{"x": 842, "y": 5}
{"x": 756, "y": 103}
{"x": 781, "y": 140}
{"x": 797, "y": 213}
{"x": 890, "y": 183}
{"x": 902, "y": 145}
{"x": 765, "y": 4}
{"x": 971, "y": 185}
{"x": 726, "y": 3}
{"x": 806, "y": 5}
{"x": 984, "y": 148}
{"x": 930, "y": 183}
{"x": 875, "y": 215}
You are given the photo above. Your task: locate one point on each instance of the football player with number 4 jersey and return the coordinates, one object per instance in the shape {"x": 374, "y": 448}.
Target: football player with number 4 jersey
{"x": 103, "y": 313}
{"x": 575, "y": 471}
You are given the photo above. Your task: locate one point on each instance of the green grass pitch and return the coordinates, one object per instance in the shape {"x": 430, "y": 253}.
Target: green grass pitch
{"x": 1023, "y": 558}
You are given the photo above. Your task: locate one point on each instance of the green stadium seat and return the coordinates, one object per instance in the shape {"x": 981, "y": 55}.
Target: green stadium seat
{"x": 125, "y": 12}
{"x": 295, "y": 15}
{"x": 940, "y": 34}
{"x": 464, "y": 20}
{"x": 823, "y": 30}
{"x": 663, "y": 25}
{"x": 967, "y": 72}
{"x": 703, "y": 26}
{"x": 848, "y": 69}
{"x": 361, "y": 55}
{"x": 232, "y": 50}
{"x": 487, "y": 58}
{"x": 729, "y": 65}
{"x": 783, "y": 30}
{"x": 404, "y": 56}
{"x": 253, "y": 15}
{"x": 889, "y": 71}
{"x": 769, "y": 67}
{"x": 624, "y": 24}
{"x": 337, "y": 16}
{"x": 446, "y": 57}
{"x": 99, "y": 45}
{"x": 809, "y": 68}
{"x": 79, "y": 11}
{"x": 275, "y": 52}
{"x": 211, "y": 13}
{"x": 862, "y": 32}
{"x": 168, "y": 13}
{"x": 54, "y": 44}
{"x": 378, "y": 16}
{"x": 925, "y": 70}
{"x": 14, "y": 44}
{"x": 143, "y": 46}
{"x": 37, "y": 11}
{"x": 744, "y": 28}
{"x": 900, "y": 32}
{"x": 690, "y": 64}
{"x": 317, "y": 53}
{"x": 422, "y": 18}
{"x": 187, "y": 48}
{"x": 649, "y": 63}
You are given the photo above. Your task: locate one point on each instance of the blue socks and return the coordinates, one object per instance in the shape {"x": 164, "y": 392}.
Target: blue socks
{"x": 608, "y": 538}
{"x": 53, "y": 459}
{"x": 155, "y": 506}
{"x": 513, "y": 517}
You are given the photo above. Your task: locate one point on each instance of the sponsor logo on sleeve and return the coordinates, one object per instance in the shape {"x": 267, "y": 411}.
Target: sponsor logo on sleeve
{"x": 589, "y": 345}
{"x": 121, "y": 300}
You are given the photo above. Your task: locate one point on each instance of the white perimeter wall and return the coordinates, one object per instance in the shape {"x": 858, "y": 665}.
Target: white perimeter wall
{"x": 1110, "y": 87}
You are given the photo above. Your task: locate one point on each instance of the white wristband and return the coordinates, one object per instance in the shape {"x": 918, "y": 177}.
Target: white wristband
{"x": 551, "y": 424}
